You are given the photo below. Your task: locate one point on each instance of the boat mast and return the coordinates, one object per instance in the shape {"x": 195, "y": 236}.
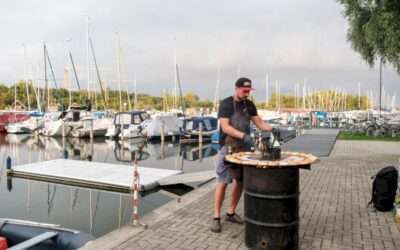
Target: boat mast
{"x": 46, "y": 83}
{"x": 75, "y": 73}
{"x": 36, "y": 89}
{"x": 279, "y": 96}
{"x": 15, "y": 98}
{"x": 217, "y": 86}
{"x": 26, "y": 78}
{"x": 88, "y": 54}
{"x": 98, "y": 73}
{"x": 135, "y": 91}
{"x": 118, "y": 53}
{"x": 380, "y": 87}
{"x": 174, "y": 97}
{"x": 180, "y": 91}
{"x": 359, "y": 96}
{"x": 304, "y": 93}
{"x": 164, "y": 100}
{"x": 266, "y": 88}
{"x": 52, "y": 72}
{"x": 67, "y": 71}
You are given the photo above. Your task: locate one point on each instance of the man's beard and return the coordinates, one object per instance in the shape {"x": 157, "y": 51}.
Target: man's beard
{"x": 244, "y": 98}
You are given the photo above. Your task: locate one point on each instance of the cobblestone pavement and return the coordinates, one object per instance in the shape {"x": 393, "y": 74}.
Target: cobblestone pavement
{"x": 333, "y": 213}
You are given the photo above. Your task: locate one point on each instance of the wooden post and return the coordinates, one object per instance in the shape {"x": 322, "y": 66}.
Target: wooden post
{"x": 162, "y": 132}
{"x": 63, "y": 128}
{"x": 200, "y": 134}
{"x": 91, "y": 129}
{"x": 91, "y": 146}
{"x": 122, "y": 131}
{"x": 36, "y": 131}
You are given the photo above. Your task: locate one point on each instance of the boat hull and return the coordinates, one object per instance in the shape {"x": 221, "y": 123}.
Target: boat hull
{"x": 66, "y": 239}
{"x": 10, "y": 117}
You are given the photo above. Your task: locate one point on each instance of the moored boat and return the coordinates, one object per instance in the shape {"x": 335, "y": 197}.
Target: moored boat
{"x": 127, "y": 125}
{"x": 22, "y": 234}
{"x": 33, "y": 123}
{"x": 11, "y": 117}
{"x": 165, "y": 125}
{"x": 194, "y": 127}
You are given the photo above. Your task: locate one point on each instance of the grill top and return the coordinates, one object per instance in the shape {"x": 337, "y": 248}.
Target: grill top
{"x": 288, "y": 160}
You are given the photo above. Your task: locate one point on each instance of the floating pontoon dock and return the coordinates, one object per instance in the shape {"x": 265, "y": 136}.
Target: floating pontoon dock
{"x": 97, "y": 175}
{"x": 318, "y": 142}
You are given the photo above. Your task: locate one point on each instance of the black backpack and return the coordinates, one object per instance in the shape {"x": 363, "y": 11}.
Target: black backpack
{"x": 384, "y": 189}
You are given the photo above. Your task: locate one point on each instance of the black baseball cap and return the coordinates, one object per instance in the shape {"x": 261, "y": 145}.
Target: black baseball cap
{"x": 243, "y": 82}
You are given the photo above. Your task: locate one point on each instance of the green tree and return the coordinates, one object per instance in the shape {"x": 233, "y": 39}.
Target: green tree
{"x": 374, "y": 30}
{"x": 191, "y": 99}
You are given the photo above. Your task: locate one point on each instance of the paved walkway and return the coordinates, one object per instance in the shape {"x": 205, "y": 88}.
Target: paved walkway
{"x": 333, "y": 210}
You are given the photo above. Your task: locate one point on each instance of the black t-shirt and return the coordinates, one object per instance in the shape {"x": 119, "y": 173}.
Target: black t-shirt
{"x": 226, "y": 110}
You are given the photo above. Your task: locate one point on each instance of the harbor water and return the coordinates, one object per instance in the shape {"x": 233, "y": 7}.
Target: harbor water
{"x": 92, "y": 211}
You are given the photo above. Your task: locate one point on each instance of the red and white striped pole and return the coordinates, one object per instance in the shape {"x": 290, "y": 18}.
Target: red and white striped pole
{"x": 136, "y": 190}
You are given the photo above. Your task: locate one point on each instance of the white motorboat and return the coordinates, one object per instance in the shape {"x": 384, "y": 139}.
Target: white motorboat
{"x": 56, "y": 128}
{"x": 127, "y": 125}
{"x": 89, "y": 125}
{"x": 54, "y": 125}
{"x": 25, "y": 127}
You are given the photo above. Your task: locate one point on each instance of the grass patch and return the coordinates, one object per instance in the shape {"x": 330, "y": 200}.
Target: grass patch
{"x": 343, "y": 135}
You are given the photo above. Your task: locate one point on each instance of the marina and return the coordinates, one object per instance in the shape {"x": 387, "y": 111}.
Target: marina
{"x": 112, "y": 177}
{"x": 91, "y": 210}
{"x": 186, "y": 125}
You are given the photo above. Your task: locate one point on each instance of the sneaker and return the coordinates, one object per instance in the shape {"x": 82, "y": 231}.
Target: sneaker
{"x": 216, "y": 226}
{"x": 234, "y": 218}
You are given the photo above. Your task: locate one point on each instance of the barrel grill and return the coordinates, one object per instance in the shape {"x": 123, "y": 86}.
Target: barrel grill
{"x": 271, "y": 204}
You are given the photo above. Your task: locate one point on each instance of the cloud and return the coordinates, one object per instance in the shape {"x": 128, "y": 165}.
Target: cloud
{"x": 290, "y": 39}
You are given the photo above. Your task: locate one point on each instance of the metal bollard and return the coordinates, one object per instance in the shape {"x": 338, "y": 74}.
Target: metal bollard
{"x": 9, "y": 169}
{"x": 65, "y": 154}
{"x": 8, "y": 163}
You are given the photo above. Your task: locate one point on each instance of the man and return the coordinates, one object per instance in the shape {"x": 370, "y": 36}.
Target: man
{"x": 235, "y": 114}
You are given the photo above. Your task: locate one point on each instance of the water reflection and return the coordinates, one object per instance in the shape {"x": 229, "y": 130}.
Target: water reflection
{"x": 93, "y": 211}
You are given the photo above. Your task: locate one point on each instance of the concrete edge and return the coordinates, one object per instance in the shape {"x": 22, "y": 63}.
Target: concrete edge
{"x": 123, "y": 234}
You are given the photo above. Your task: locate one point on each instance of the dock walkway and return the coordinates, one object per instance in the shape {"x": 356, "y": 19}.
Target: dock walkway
{"x": 318, "y": 142}
{"x": 333, "y": 213}
{"x": 107, "y": 176}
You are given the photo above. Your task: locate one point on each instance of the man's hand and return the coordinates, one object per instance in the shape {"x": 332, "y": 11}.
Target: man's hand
{"x": 260, "y": 124}
{"x": 248, "y": 141}
{"x": 275, "y": 131}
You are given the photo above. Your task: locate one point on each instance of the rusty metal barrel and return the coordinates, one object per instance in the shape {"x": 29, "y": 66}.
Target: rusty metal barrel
{"x": 271, "y": 198}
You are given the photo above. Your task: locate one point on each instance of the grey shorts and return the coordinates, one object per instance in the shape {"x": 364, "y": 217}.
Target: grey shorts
{"x": 225, "y": 171}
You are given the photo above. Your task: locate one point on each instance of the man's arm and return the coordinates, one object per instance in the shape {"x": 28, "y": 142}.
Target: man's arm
{"x": 260, "y": 124}
{"x": 229, "y": 130}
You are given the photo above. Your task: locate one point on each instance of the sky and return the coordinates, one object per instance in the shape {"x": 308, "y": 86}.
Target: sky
{"x": 291, "y": 41}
